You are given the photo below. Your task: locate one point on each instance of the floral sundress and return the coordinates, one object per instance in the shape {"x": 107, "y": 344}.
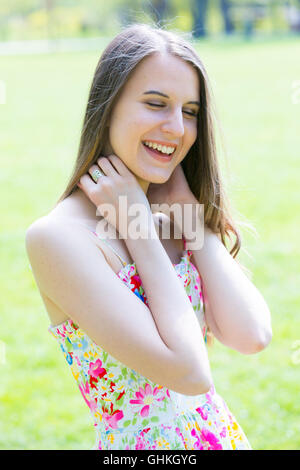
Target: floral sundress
{"x": 129, "y": 411}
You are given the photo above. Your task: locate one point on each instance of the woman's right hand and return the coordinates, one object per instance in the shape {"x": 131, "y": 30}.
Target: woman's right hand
{"x": 117, "y": 180}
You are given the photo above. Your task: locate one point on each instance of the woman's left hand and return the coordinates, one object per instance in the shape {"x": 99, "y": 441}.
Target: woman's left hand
{"x": 175, "y": 190}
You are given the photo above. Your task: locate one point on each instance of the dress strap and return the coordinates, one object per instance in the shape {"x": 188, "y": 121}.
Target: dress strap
{"x": 108, "y": 244}
{"x": 188, "y": 252}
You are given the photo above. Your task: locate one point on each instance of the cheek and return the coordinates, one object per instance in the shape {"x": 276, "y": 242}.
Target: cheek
{"x": 126, "y": 127}
{"x": 192, "y": 137}
{"x": 194, "y": 131}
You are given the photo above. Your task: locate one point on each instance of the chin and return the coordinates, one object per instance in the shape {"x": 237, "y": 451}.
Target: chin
{"x": 157, "y": 176}
{"x": 159, "y": 180}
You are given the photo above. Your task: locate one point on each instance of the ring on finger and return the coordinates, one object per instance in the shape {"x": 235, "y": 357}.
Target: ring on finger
{"x": 96, "y": 174}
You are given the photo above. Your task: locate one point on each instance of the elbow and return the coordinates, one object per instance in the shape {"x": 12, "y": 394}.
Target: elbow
{"x": 260, "y": 343}
{"x": 205, "y": 387}
{"x": 265, "y": 340}
{"x": 202, "y": 388}
{"x": 196, "y": 387}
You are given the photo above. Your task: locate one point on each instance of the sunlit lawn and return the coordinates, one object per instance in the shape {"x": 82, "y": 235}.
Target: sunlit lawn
{"x": 40, "y": 405}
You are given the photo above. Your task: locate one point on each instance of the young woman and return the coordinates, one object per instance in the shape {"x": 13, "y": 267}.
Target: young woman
{"x": 133, "y": 316}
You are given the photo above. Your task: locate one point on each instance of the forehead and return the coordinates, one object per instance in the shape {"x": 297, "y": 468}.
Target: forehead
{"x": 166, "y": 73}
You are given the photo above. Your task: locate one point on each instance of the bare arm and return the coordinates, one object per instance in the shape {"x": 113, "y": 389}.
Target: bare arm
{"x": 164, "y": 344}
{"x": 171, "y": 308}
{"x": 235, "y": 311}
{"x": 238, "y": 311}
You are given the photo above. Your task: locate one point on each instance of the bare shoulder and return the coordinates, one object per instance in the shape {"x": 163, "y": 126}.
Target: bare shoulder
{"x": 47, "y": 238}
{"x": 50, "y": 235}
{"x": 49, "y": 231}
{"x": 65, "y": 261}
{"x": 50, "y": 223}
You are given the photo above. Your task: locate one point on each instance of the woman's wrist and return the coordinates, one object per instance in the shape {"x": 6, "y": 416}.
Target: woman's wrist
{"x": 188, "y": 219}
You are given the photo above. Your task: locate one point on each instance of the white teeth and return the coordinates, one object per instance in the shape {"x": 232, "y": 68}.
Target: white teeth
{"x": 161, "y": 148}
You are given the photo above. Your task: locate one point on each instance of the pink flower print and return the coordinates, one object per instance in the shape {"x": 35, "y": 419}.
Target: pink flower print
{"x": 113, "y": 418}
{"x": 197, "y": 444}
{"x": 78, "y": 361}
{"x": 140, "y": 444}
{"x": 95, "y": 369}
{"x": 62, "y": 334}
{"x": 136, "y": 287}
{"x": 145, "y": 398}
{"x": 136, "y": 280}
{"x": 85, "y": 390}
{"x": 212, "y": 440}
{"x": 181, "y": 436}
{"x": 208, "y": 397}
{"x": 223, "y": 432}
{"x": 135, "y": 283}
{"x": 203, "y": 413}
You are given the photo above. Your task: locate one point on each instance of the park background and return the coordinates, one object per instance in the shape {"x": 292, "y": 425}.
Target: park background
{"x": 48, "y": 53}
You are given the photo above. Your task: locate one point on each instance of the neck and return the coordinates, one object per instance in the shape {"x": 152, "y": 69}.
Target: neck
{"x": 143, "y": 184}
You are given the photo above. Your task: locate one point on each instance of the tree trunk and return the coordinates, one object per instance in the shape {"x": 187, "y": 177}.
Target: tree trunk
{"x": 226, "y": 13}
{"x": 199, "y": 11}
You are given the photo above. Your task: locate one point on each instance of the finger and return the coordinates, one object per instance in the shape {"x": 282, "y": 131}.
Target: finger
{"x": 86, "y": 183}
{"x": 106, "y": 166}
{"x": 96, "y": 168}
{"x": 119, "y": 165}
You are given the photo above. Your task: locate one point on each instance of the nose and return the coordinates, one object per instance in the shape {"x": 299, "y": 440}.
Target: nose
{"x": 174, "y": 124}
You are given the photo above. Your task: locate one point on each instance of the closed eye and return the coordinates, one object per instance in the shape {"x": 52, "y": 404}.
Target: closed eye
{"x": 194, "y": 114}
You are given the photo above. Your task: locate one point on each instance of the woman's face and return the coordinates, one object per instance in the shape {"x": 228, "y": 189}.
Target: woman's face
{"x": 140, "y": 116}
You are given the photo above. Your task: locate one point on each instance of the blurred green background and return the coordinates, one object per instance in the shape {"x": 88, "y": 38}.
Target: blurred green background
{"x": 43, "y": 19}
{"x": 256, "y": 82}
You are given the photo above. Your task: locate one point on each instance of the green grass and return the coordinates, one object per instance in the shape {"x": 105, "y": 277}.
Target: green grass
{"x": 40, "y": 406}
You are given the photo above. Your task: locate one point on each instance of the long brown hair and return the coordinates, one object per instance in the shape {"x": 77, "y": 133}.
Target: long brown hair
{"x": 200, "y": 166}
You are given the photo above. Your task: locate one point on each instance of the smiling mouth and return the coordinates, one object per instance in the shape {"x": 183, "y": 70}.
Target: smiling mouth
{"x": 159, "y": 152}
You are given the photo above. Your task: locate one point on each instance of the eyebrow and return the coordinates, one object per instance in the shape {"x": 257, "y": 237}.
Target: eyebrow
{"x": 155, "y": 92}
